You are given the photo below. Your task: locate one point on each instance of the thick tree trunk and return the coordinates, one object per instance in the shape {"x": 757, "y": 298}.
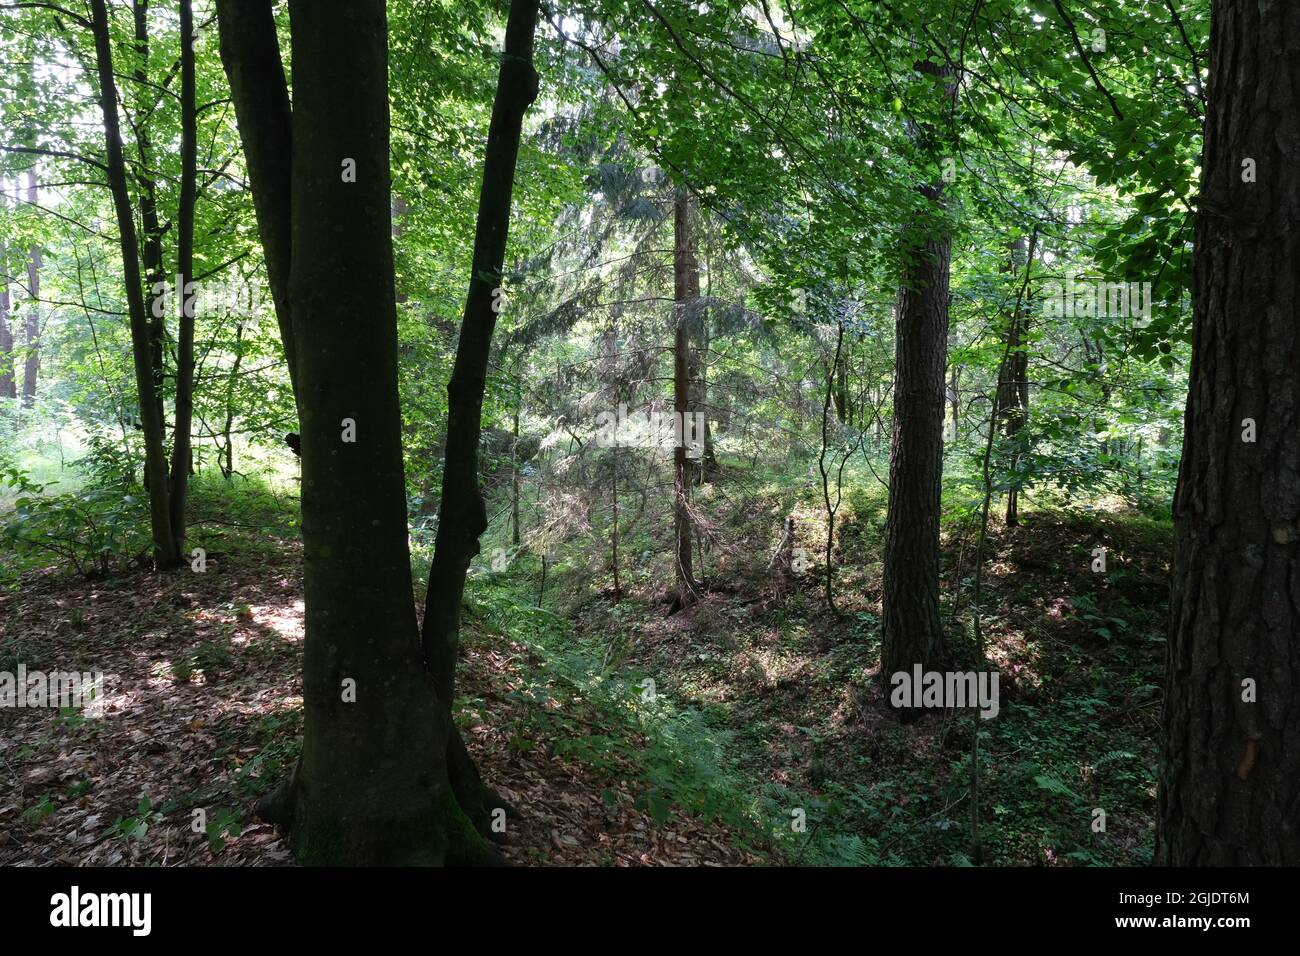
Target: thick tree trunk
{"x": 155, "y": 459}
{"x": 1229, "y": 792}
{"x": 32, "y": 344}
{"x": 373, "y": 785}
{"x": 686, "y": 293}
{"x": 180, "y": 470}
{"x": 912, "y": 630}
{"x": 444, "y": 828}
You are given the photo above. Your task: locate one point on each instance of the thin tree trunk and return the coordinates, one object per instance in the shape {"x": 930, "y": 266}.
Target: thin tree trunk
{"x": 165, "y": 551}
{"x": 151, "y": 244}
{"x": 618, "y": 588}
{"x": 462, "y": 513}
{"x": 514, "y": 474}
{"x": 250, "y": 54}
{"x": 1013, "y": 381}
{"x": 8, "y": 384}
{"x": 228, "y": 440}
{"x": 685, "y": 295}
{"x": 32, "y": 345}
{"x": 1229, "y": 779}
{"x": 180, "y": 470}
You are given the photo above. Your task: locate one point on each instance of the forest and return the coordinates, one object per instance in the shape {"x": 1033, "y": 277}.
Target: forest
{"x": 783, "y": 433}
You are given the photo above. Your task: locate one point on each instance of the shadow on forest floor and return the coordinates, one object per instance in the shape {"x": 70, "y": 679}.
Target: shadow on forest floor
{"x": 749, "y": 728}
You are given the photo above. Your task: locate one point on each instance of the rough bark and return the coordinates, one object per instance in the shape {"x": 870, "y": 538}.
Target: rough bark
{"x": 912, "y": 629}
{"x": 165, "y": 553}
{"x": 1229, "y": 781}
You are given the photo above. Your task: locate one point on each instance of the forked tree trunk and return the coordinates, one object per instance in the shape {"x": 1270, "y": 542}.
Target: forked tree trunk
{"x": 373, "y": 784}
{"x": 1229, "y": 783}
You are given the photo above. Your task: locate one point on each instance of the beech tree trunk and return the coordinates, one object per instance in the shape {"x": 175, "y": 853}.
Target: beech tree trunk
{"x": 151, "y": 239}
{"x": 250, "y": 54}
{"x": 1229, "y": 782}
{"x": 373, "y": 784}
{"x": 462, "y": 513}
{"x": 165, "y": 552}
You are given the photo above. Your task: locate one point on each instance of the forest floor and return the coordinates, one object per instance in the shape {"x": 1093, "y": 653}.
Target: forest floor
{"x": 748, "y": 729}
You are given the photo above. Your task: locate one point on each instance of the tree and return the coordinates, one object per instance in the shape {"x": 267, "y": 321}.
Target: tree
{"x": 8, "y": 385}
{"x": 1012, "y": 396}
{"x": 166, "y": 552}
{"x": 384, "y": 777}
{"x": 686, "y": 295}
{"x": 1230, "y": 769}
{"x": 912, "y": 630}
{"x": 32, "y": 342}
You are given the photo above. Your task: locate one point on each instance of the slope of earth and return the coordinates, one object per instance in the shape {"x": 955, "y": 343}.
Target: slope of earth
{"x": 1066, "y": 767}
{"x": 202, "y": 714}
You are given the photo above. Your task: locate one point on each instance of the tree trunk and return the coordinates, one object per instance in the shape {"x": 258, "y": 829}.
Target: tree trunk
{"x": 462, "y": 513}
{"x": 1229, "y": 782}
{"x": 155, "y": 457}
{"x": 250, "y": 54}
{"x": 373, "y": 785}
{"x": 514, "y": 473}
{"x": 181, "y": 447}
{"x": 32, "y": 360}
{"x": 1013, "y": 382}
{"x": 8, "y": 384}
{"x": 686, "y": 292}
{"x": 228, "y": 441}
{"x": 912, "y": 629}
{"x": 151, "y": 245}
